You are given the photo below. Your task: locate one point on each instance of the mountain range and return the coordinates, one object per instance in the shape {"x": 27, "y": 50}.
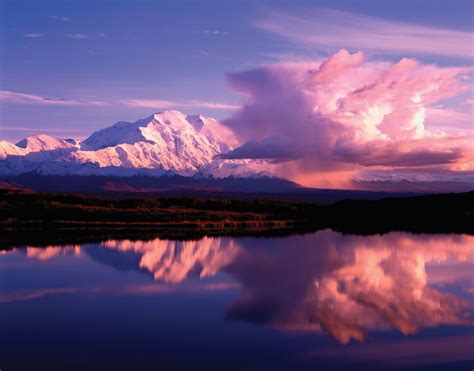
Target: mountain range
{"x": 168, "y": 142}
{"x": 166, "y": 151}
{"x": 169, "y": 152}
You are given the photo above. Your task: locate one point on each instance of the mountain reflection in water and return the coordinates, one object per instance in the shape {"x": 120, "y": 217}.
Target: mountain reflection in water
{"x": 343, "y": 285}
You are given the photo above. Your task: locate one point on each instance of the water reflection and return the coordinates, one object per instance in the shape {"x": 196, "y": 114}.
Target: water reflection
{"x": 173, "y": 261}
{"x": 352, "y": 284}
{"x": 346, "y": 286}
{"x": 52, "y": 251}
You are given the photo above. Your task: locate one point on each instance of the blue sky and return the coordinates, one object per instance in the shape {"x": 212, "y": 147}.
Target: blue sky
{"x": 96, "y": 55}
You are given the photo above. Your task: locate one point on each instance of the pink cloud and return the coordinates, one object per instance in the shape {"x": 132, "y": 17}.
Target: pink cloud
{"x": 349, "y": 111}
{"x": 159, "y": 103}
{"x": 358, "y": 285}
{"x": 211, "y": 105}
{"x": 449, "y": 119}
{"x": 148, "y": 103}
{"x": 335, "y": 29}
{"x": 336, "y": 65}
{"x": 355, "y": 285}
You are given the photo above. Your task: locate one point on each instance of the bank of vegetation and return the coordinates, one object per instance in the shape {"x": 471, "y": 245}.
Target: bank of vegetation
{"x": 26, "y": 214}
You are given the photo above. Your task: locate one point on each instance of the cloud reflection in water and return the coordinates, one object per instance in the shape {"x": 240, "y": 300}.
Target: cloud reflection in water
{"x": 325, "y": 282}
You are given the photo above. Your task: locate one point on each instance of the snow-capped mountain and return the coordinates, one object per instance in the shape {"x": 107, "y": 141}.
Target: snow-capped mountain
{"x": 168, "y": 142}
{"x": 35, "y": 144}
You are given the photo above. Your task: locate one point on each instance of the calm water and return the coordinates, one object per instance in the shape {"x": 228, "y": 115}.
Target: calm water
{"x": 320, "y": 301}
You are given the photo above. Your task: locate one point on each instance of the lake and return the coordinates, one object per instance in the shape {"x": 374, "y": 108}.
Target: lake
{"x": 323, "y": 301}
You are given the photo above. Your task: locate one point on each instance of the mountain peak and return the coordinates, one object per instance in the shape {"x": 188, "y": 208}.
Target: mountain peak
{"x": 169, "y": 116}
{"x": 168, "y": 141}
{"x": 39, "y": 138}
{"x": 166, "y": 128}
{"x": 42, "y": 142}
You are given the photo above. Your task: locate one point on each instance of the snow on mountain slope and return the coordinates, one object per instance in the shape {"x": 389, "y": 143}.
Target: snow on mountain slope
{"x": 10, "y": 149}
{"x": 166, "y": 128}
{"x": 43, "y": 142}
{"x": 168, "y": 141}
{"x": 33, "y": 144}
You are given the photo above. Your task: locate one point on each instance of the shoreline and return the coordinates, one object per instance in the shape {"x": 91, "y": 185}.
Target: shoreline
{"x": 29, "y": 218}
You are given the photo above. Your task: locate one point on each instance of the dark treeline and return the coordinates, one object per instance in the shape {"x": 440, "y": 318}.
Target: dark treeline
{"x": 55, "y": 217}
{"x": 442, "y": 213}
{"x": 250, "y": 205}
{"x": 22, "y": 206}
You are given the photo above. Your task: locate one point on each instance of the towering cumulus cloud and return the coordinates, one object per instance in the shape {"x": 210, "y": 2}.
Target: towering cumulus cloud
{"x": 347, "y": 114}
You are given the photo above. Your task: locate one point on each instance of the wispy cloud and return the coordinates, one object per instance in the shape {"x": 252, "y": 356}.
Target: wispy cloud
{"x": 35, "y": 129}
{"x": 33, "y": 35}
{"x": 212, "y": 105}
{"x": 21, "y": 295}
{"x": 22, "y": 98}
{"x": 158, "y": 103}
{"x": 59, "y": 18}
{"x": 148, "y": 103}
{"x": 77, "y": 36}
{"x": 212, "y": 32}
{"x": 325, "y": 28}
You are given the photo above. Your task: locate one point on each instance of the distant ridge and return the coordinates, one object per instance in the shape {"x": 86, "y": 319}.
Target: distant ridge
{"x": 196, "y": 186}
